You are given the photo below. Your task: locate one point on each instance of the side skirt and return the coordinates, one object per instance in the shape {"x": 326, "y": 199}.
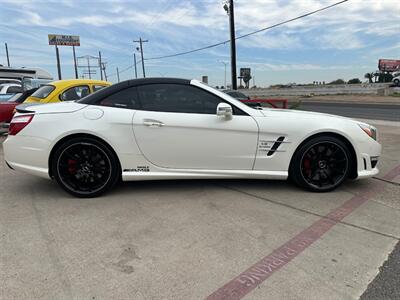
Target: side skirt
{"x": 204, "y": 174}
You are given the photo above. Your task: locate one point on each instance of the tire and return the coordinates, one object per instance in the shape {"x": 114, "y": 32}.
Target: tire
{"x": 396, "y": 82}
{"x": 85, "y": 167}
{"x": 321, "y": 164}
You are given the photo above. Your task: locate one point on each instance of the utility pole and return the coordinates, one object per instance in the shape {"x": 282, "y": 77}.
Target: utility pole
{"x": 75, "y": 65}
{"x": 101, "y": 73}
{"x": 225, "y": 64}
{"x": 140, "y": 41}
{"x": 58, "y": 63}
{"x": 230, "y": 10}
{"x": 103, "y": 66}
{"x": 118, "y": 74}
{"x": 134, "y": 62}
{"x": 8, "y": 58}
{"x": 88, "y": 65}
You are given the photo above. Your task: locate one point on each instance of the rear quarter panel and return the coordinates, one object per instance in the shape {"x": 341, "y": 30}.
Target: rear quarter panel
{"x": 114, "y": 127}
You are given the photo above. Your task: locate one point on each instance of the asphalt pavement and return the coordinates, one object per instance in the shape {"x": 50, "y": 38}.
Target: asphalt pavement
{"x": 387, "y": 284}
{"x": 387, "y": 112}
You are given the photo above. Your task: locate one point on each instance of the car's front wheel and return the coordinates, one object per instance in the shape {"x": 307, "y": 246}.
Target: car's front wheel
{"x": 85, "y": 167}
{"x": 321, "y": 164}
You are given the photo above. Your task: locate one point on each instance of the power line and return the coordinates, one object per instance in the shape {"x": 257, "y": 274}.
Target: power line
{"x": 124, "y": 70}
{"x": 250, "y": 33}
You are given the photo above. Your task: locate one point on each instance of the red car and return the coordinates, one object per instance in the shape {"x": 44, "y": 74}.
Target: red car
{"x": 7, "y": 107}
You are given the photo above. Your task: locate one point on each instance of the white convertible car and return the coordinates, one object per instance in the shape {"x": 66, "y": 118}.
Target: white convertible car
{"x": 164, "y": 128}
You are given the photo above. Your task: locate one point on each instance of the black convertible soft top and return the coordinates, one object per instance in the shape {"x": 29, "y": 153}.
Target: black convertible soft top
{"x": 101, "y": 94}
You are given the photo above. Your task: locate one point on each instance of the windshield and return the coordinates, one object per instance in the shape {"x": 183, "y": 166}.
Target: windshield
{"x": 43, "y": 91}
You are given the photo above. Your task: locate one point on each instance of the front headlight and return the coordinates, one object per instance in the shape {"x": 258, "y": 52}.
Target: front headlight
{"x": 370, "y": 130}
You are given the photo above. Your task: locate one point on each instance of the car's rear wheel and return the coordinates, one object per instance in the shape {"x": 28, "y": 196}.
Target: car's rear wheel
{"x": 85, "y": 167}
{"x": 396, "y": 82}
{"x": 321, "y": 164}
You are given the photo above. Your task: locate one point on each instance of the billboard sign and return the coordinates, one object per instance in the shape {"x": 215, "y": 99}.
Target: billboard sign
{"x": 245, "y": 72}
{"x": 64, "y": 40}
{"x": 389, "y": 65}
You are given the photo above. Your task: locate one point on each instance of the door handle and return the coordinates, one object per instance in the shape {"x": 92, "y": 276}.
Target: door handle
{"x": 153, "y": 123}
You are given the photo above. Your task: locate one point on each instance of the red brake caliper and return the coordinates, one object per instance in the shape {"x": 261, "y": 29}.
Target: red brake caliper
{"x": 72, "y": 166}
{"x": 307, "y": 166}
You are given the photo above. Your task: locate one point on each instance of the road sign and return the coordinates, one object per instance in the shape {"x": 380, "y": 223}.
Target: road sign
{"x": 64, "y": 40}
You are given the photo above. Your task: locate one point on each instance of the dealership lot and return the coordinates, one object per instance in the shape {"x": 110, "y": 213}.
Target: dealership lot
{"x": 188, "y": 239}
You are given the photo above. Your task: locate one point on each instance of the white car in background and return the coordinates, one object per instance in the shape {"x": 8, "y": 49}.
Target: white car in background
{"x": 396, "y": 79}
{"x": 10, "y": 88}
{"x": 165, "y": 128}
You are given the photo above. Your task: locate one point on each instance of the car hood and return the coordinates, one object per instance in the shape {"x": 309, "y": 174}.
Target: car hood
{"x": 301, "y": 114}
{"x": 39, "y": 108}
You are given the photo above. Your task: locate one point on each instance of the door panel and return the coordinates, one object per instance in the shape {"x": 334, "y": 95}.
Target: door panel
{"x": 196, "y": 141}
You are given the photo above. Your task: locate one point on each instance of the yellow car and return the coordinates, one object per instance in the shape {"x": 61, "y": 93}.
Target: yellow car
{"x": 66, "y": 90}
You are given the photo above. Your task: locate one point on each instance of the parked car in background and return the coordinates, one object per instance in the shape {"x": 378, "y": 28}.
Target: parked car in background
{"x": 7, "y": 107}
{"x": 31, "y": 83}
{"x": 242, "y": 97}
{"x": 396, "y": 79}
{"x": 66, "y": 90}
{"x": 10, "y": 88}
{"x": 9, "y": 80}
{"x": 6, "y": 97}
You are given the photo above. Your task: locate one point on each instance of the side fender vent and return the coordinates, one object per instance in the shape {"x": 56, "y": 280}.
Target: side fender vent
{"x": 276, "y": 145}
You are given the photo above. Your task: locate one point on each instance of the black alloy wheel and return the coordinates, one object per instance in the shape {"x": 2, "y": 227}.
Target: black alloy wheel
{"x": 85, "y": 167}
{"x": 321, "y": 164}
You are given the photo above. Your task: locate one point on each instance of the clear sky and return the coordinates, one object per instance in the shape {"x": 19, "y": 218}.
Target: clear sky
{"x": 343, "y": 42}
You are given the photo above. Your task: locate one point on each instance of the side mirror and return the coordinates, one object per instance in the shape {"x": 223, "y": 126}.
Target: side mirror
{"x": 224, "y": 110}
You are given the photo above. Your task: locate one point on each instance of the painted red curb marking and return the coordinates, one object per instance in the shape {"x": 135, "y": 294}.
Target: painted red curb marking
{"x": 243, "y": 284}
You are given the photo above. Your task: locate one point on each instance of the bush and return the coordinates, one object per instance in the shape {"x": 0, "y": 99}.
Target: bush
{"x": 337, "y": 81}
{"x": 354, "y": 81}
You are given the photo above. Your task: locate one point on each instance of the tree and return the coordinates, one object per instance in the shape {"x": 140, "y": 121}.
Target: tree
{"x": 369, "y": 76}
{"x": 354, "y": 81}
